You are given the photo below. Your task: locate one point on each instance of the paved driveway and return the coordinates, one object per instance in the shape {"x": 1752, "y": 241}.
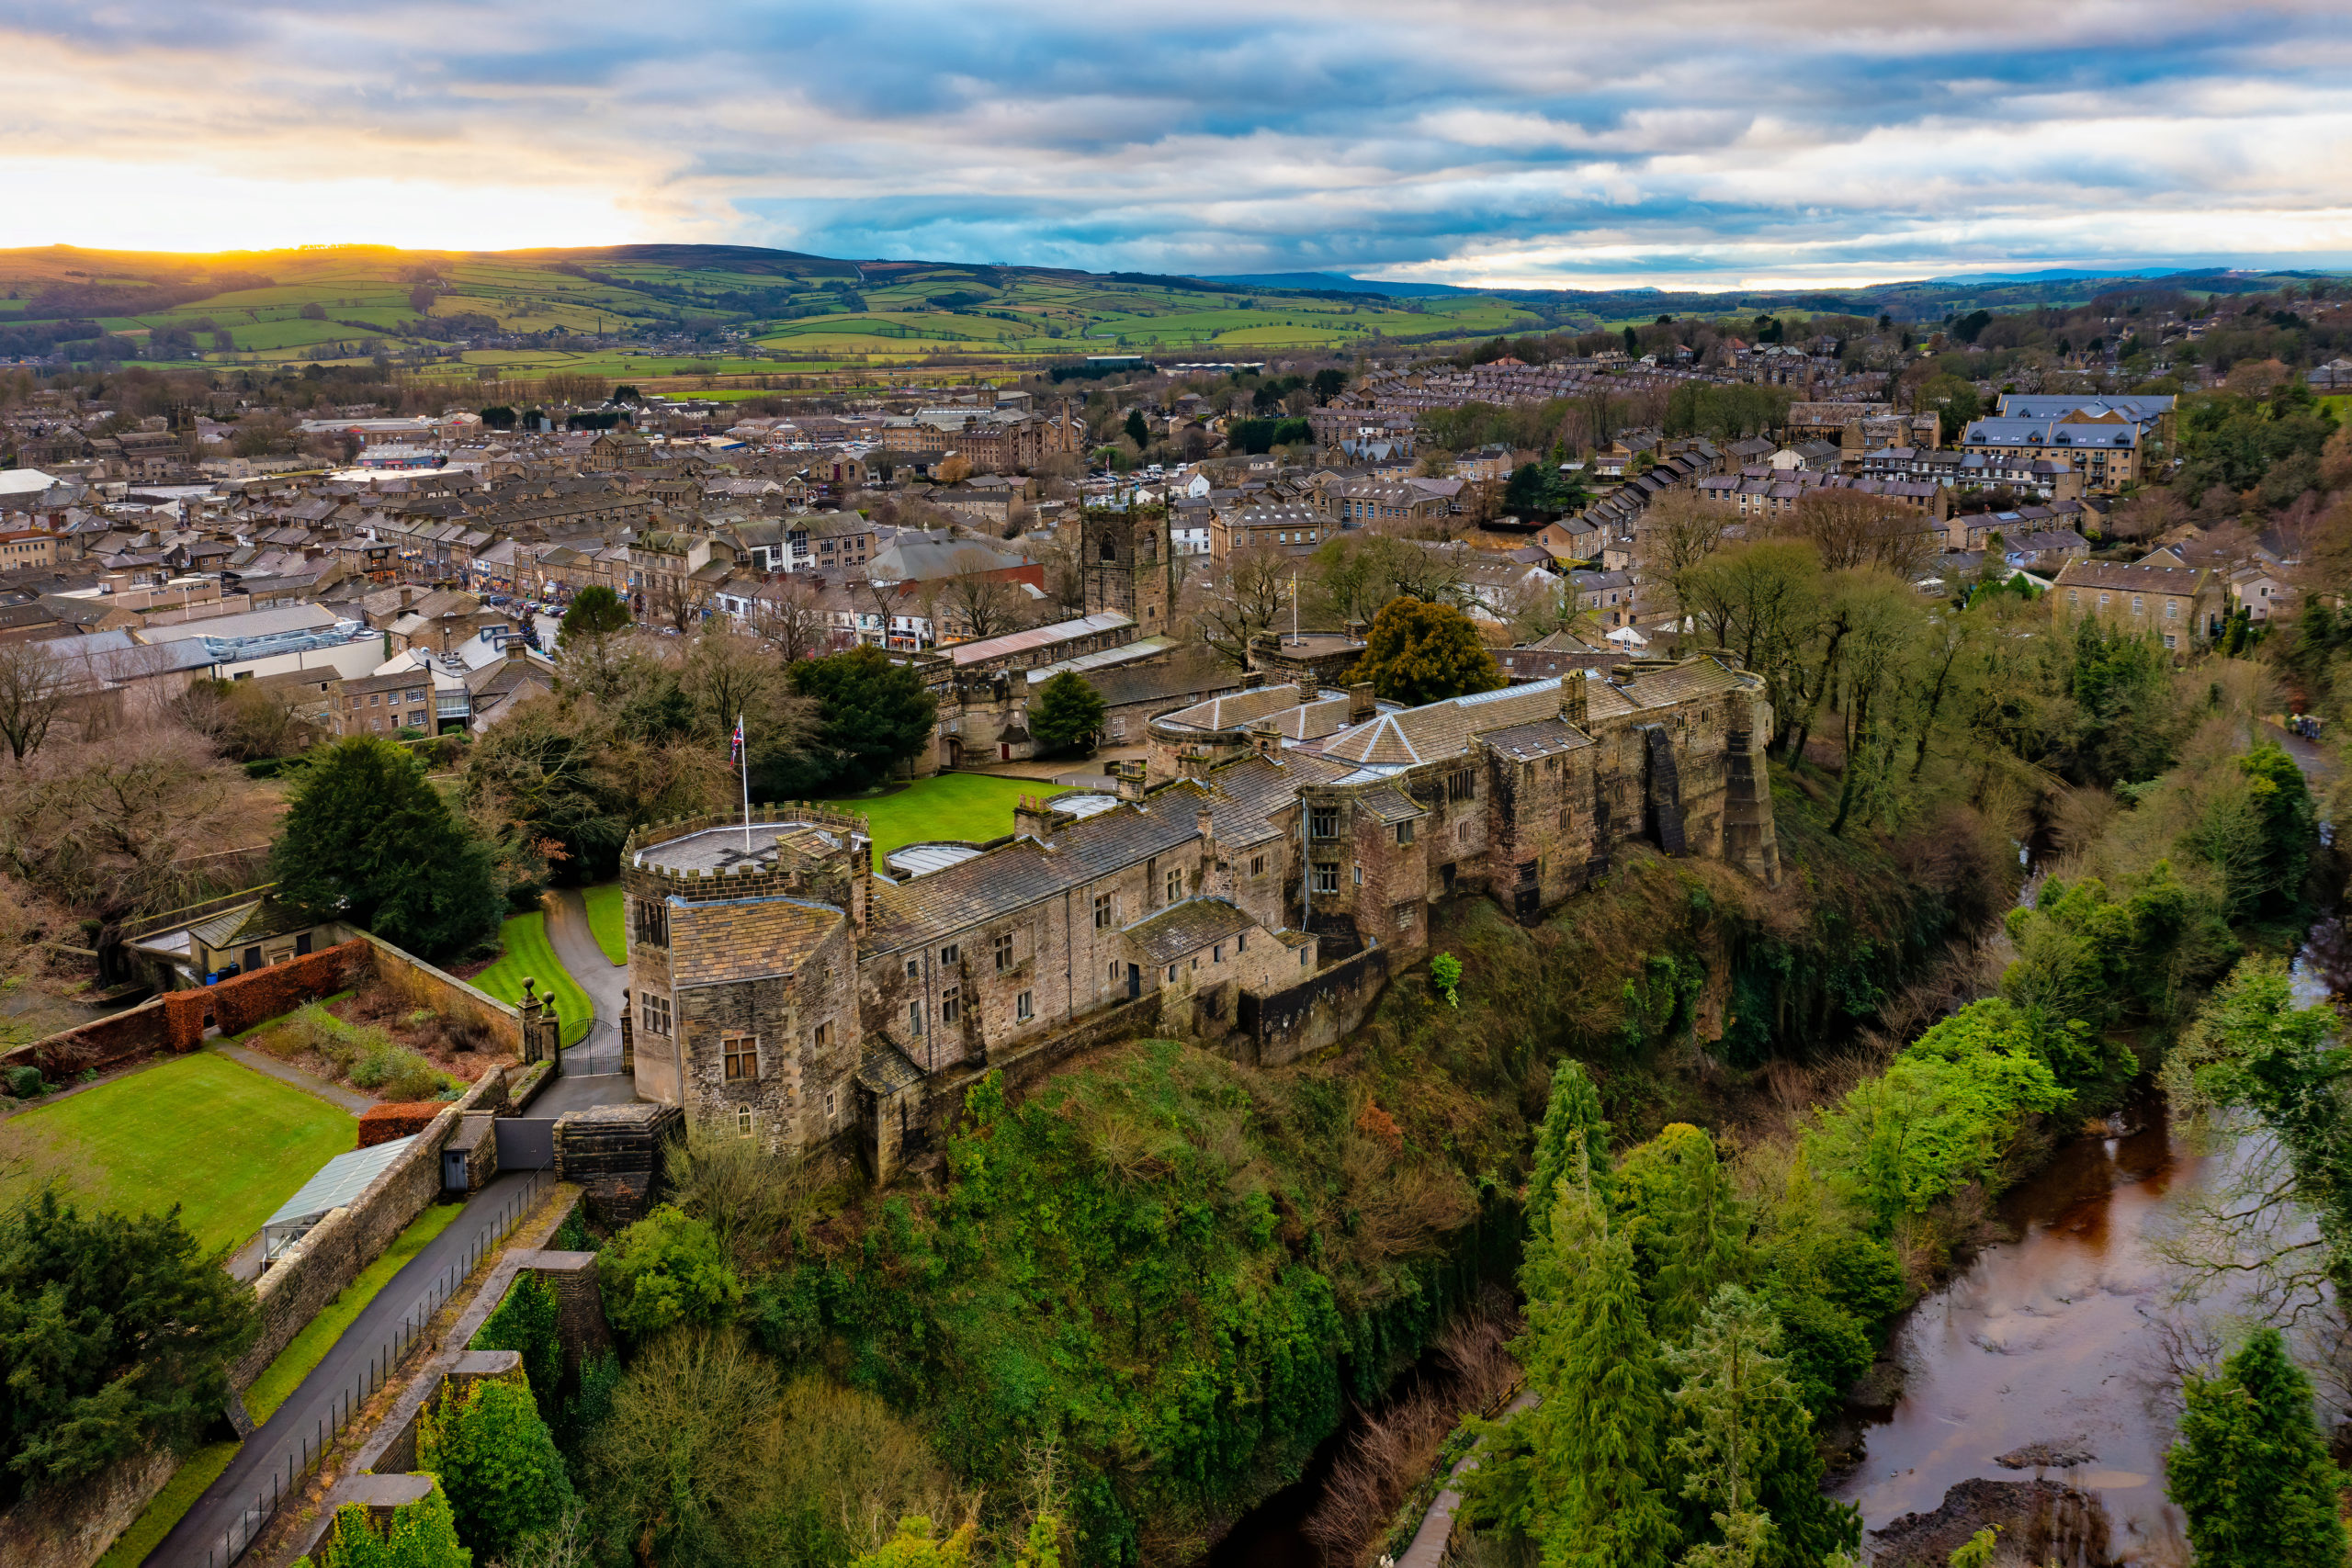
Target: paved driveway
{"x": 292, "y": 1433}
{"x": 604, "y": 981}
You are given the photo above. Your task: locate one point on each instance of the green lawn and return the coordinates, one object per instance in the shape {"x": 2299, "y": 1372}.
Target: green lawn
{"x": 603, "y": 902}
{"x": 950, "y": 806}
{"x": 529, "y": 954}
{"x": 270, "y": 1390}
{"x": 224, "y": 1142}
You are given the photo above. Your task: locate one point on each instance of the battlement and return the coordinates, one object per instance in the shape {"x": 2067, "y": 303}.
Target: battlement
{"x": 783, "y": 814}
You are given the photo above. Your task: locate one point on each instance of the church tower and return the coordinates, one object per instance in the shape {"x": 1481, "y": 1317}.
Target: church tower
{"x": 1127, "y": 565}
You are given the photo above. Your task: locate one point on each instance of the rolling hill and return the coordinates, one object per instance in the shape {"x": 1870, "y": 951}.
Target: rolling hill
{"x": 711, "y": 310}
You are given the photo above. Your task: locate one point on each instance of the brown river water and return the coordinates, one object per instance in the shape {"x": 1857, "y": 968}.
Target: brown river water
{"x": 2051, "y": 1338}
{"x": 2057, "y": 1337}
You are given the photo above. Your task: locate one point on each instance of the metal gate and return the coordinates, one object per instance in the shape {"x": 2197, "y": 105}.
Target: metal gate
{"x": 526, "y": 1142}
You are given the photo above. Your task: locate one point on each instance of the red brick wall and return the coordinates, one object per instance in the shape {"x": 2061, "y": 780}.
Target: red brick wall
{"x": 106, "y": 1043}
{"x": 382, "y": 1123}
{"x": 238, "y": 1004}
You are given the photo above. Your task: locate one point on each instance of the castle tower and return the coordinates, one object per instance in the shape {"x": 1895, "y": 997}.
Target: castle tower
{"x": 1127, "y": 564}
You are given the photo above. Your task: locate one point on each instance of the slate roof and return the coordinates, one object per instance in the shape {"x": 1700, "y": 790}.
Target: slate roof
{"x": 1441, "y": 730}
{"x": 2129, "y": 578}
{"x": 1545, "y": 738}
{"x": 885, "y": 1070}
{"x": 1308, "y": 721}
{"x": 1243, "y": 798}
{"x": 1187, "y": 927}
{"x": 745, "y": 939}
{"x": 249, "y": 923}
{"x": 1236, "y": 710}
{"x": 1390, "y": 804}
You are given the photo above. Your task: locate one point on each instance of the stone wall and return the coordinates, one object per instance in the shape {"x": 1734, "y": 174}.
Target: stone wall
{"x": 1319, "y": 1011}
{"x": 73, "y": 1529}
{"x": 319, "y": 1266}
{"x": 422, "y": 985}
{"x": 177, "y": 1019}
{"x": 1027, "y": 1067}
{"x": 615, "y": 1153}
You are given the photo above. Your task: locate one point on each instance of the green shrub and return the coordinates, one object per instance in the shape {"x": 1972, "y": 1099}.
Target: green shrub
{"x": 666, "y": 1269}
{"x": 422, "y": 1535}
{"x": 1941, "y": 1115}
{"x": 525, "y": 1323}
{"x": 497, "y": 1463}
{"x": 25, "y": 1083}
{"x": 362, "y": 1054}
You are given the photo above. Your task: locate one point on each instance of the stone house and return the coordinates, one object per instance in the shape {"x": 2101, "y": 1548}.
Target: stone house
{"x": 2184, "y": 605}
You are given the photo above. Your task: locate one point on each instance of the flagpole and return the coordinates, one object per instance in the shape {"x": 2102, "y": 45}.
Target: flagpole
{"x": 744, "y": 761}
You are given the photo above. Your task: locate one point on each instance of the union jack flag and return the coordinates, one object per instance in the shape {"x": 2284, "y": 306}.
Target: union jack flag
{"x": 735, "y": 750}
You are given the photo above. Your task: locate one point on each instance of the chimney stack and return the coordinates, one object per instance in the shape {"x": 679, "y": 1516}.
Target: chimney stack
{"x": 1311, "y": 691}
{"x": 1131, "y": 778}
{"x": 1573, "y": 709}
{"x": 1360, "y": 704}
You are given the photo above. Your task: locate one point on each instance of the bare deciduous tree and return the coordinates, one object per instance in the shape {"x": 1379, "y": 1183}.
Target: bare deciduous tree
{"x": 1678, "y": 532}
{"x": 979, "y": 600}
{"x": 1247, "y": 593}
{"x": 34, "y": 686}
{"x": 791, "y": 618}
{"x": 1853, "y": 529}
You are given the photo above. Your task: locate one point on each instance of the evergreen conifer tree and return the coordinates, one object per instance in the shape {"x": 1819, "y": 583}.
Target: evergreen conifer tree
{"x": 1069, "y": 712}
{"x": 1597, "y": 1464}
{"x": 2251, "y": 1470}
{"x": 368, "y": 840}
{"x": 1699, "y": 1232}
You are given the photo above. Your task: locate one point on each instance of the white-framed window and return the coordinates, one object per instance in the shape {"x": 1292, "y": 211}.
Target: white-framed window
{"x": 654, "y": 1014}
{"x": 914, "y": 1018}
{"x": 833, "y": 1099}
{"x": 1022, "y": 1008}
{"x": 1359, "y": 876}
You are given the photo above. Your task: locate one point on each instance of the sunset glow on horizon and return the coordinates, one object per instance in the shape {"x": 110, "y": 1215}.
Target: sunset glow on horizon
{"x": 1491, "y": 143}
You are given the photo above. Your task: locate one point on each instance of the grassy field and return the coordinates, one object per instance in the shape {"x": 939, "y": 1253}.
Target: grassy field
{"x": 826, "y": 315}
{"x": 950, "y": 806}
{"x": 225, "y": 1142}
{"x": 603, "y": 902}
{"x": 270, "y": 1390}
{"x": 528, "y": 952}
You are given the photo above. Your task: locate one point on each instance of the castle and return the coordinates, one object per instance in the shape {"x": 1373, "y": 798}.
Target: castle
{"x": 787, "y": 989}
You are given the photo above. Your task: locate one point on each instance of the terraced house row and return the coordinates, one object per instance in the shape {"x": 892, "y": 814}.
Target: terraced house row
{"x": 1250, "y": 885}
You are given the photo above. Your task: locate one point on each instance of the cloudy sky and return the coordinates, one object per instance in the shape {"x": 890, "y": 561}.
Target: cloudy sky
{"x": 1668, "y": 142}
